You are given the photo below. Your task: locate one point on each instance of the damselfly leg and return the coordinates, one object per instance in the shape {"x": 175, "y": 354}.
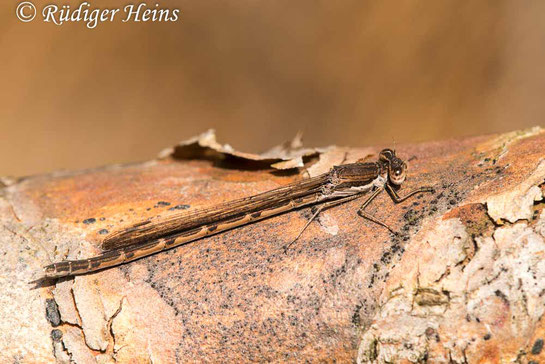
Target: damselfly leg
{"x": 319, "y": 209}
{"x": 370, "y": 217}
{"x": 397, "y": 199}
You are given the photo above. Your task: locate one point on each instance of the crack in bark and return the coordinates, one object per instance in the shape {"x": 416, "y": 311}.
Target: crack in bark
{"x": 111, "y": 345}
{"x": 73, "y": 295}
{"x": 111, "y": 342}
{"x": 59, "y": 345}
{"x": 75, "y": 325}
{"x": 12, "y": 210}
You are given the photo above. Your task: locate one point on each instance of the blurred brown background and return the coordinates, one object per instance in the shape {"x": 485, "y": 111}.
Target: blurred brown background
{"x": 346, "y": 72}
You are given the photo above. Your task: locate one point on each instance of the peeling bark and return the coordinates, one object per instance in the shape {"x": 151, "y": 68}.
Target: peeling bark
{"x": 462, "y": 281}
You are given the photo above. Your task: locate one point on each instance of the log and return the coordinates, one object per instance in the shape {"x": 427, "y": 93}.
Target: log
{"x": 462, "y": 280}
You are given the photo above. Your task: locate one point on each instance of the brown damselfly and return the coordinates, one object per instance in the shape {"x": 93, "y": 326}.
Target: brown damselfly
{"x": 341, "y": 184}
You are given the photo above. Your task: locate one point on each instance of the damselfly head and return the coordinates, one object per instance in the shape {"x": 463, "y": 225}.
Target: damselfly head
{"x": 397, "y": 169}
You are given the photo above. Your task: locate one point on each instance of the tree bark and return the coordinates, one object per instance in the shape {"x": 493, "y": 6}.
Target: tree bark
{"x": 463, "y": 280}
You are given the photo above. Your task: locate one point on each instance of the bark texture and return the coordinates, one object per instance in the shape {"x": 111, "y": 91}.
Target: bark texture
{"x": 462, "y": 281}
